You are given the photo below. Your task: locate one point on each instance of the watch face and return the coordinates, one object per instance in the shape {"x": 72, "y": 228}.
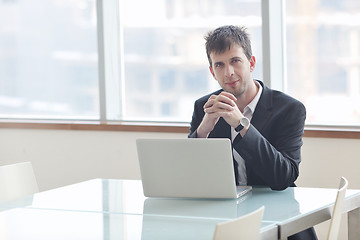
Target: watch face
{"x": 245, "y": 122}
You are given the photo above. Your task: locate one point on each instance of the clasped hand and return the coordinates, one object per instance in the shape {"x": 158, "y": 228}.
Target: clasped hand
{"x": 222, "y": 105}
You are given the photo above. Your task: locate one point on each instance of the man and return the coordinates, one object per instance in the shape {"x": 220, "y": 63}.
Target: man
{"x": 265, "y": 126}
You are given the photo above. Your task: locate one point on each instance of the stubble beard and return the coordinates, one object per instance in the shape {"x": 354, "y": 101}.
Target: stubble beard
{"x": 238, "y": 90}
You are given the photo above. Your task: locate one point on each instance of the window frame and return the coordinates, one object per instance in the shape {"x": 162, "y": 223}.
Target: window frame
{"x": 157, "y": 127}
{"x": 274, "y": 75}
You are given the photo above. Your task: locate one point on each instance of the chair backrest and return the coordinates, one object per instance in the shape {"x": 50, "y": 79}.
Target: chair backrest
{"x": 245, "y": 227}
{"x": 337, "y": 211}
{"x": 17, "y": 181}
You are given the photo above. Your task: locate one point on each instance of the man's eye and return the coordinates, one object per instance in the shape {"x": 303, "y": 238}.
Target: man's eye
{"x": 218, "y": 64}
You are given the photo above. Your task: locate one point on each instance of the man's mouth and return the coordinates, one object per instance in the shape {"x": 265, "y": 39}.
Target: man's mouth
{"x": 232, "y": 83}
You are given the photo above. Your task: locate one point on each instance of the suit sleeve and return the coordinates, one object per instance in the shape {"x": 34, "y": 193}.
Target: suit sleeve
{"x": 274, "y": 159}
{"x": 197, "y": 117}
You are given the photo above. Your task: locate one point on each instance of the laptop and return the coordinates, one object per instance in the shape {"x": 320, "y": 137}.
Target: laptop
{"x": 188, "y": 168}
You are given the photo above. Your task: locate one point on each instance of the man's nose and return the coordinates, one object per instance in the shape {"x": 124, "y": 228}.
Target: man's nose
{"x": 229, "y": 71}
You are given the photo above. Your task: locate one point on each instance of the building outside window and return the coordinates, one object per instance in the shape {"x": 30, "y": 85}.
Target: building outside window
{"x": 165, "y": 63}
{"x": 50, "y": 57}
{"x": 323, "y": 59}
{"x": 48, "y": 60}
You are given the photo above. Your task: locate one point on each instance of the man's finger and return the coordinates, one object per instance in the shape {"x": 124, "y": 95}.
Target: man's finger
{"x": 229, "y": 95}
{"x": 225, "y": 99}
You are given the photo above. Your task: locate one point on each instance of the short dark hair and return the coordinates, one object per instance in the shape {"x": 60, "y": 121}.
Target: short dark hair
{"x": 224, "y": 37}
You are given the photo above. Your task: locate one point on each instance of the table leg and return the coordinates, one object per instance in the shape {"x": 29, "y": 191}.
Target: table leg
{"x": 354, "y": 224}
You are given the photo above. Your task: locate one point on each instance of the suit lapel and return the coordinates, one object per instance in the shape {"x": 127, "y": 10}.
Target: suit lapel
{"x": 263, "y": 109}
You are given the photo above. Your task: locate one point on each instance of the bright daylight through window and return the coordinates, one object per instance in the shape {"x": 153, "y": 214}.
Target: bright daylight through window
{"x": 323, "y": 59}
{"x": 154, "y": 59}
{"x": 48, "y": 59}
{"x": 165, "y": 63}
{"x": 49, "y": 68}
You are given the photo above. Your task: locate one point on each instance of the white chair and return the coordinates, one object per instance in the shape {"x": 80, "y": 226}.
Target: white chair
{"x": 337, "y": 211}
{"x": 17, "y": 181}
{"x": 245, "y": 227}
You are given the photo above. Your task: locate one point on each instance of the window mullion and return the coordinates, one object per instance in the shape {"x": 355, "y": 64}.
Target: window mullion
{"x": 273, "y": 31}
{"x": 110, "y": 43}
{"x": 101, "y": 59}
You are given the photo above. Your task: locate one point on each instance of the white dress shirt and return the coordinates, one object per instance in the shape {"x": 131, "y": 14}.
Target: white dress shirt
{"x": 248, "y": 112}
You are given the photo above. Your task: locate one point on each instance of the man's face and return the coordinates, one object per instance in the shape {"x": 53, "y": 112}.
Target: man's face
{"x": 232, "y": 70}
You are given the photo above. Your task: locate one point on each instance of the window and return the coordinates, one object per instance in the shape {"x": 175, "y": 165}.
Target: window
{"x": 112, "y": 60}
{"x": 164, "y": 63}
{"x": 48, "y": 60}
{"x": 155, "y": 60}
{"x": 323, "y": 59}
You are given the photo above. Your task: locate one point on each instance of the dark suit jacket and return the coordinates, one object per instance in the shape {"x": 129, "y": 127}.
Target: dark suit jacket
{"x": 271, "y": 146}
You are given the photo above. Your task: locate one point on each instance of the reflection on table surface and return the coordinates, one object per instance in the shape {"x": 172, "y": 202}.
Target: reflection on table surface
{"x": 40, "y": 224}
{"x": 117, "y": 209}
{"x": 126, "y": 196}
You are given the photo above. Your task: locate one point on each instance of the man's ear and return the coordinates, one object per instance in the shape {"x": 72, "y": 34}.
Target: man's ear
{"x": 212, "y": 71}
{"x": 252, "y": 63}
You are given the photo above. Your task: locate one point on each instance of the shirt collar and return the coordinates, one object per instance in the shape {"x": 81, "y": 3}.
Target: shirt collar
{"x": 252, "y": 105}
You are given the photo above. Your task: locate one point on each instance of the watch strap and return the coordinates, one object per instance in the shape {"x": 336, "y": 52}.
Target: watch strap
{"x": 239, "y": 128}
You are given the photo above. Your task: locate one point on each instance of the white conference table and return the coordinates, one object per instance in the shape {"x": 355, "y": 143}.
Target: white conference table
{"x": 117, "y": 209}
{"x": 43, "y": 224}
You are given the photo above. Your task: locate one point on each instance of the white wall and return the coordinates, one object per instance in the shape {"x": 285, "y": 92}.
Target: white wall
{"x": 324, "y": 161}
{"x": 62, "y": 157}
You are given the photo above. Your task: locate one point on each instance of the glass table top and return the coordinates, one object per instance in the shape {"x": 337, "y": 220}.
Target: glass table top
{"x": 65, "y": 225}
{"x": 126, "y": 197}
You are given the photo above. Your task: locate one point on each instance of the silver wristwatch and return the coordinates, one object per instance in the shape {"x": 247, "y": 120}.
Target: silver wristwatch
{"x": 244, "y": 123}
